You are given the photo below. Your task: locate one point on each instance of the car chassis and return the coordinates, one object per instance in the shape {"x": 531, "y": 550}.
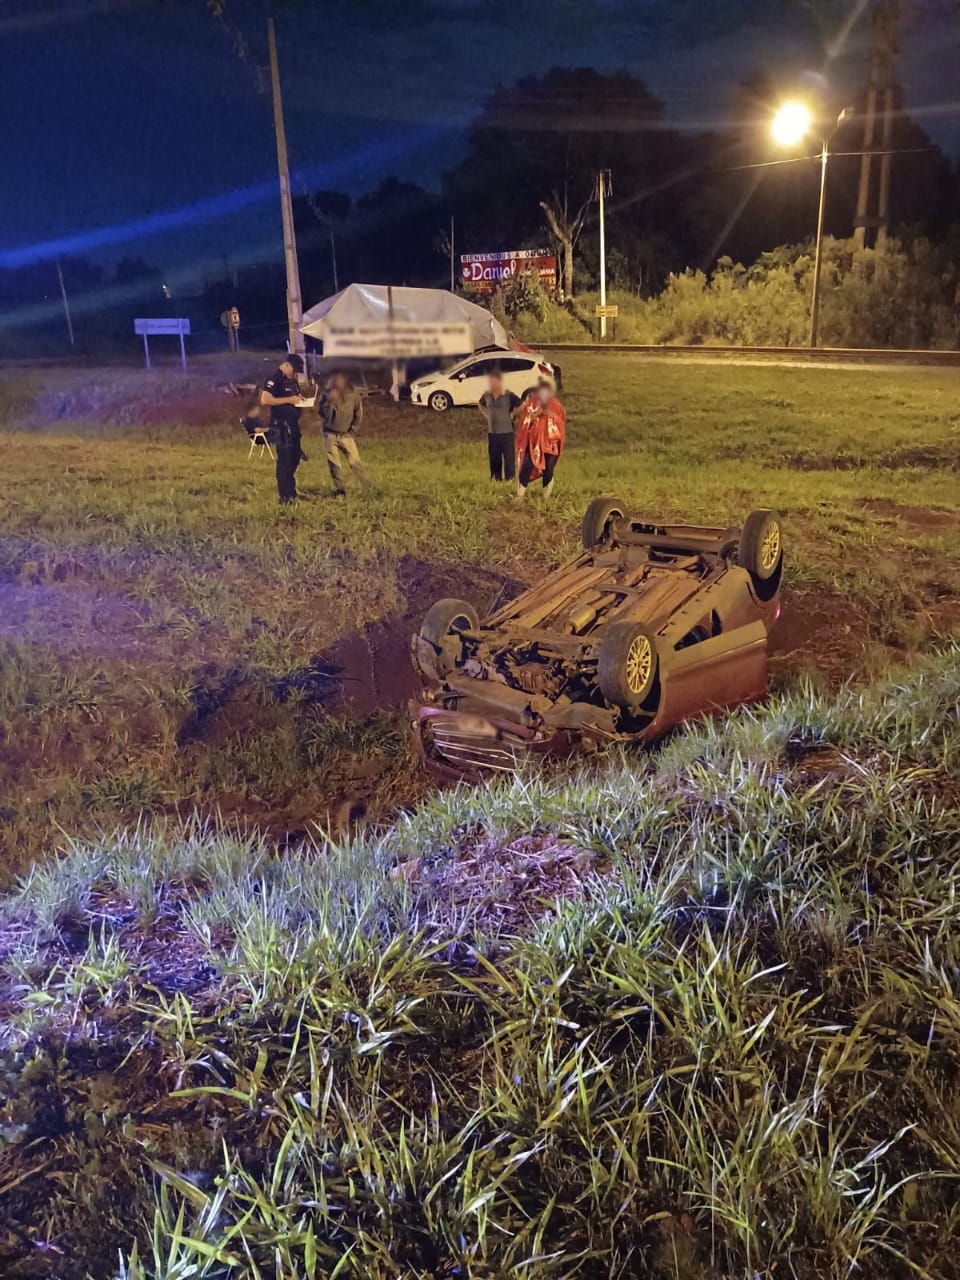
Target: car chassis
{"x": 650, "y": 625}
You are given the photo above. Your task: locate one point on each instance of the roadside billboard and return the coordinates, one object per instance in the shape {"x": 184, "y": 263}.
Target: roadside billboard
{"x": 483, "y": 272}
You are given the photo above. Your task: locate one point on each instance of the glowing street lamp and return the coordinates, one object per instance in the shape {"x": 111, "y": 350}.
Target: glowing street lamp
{"x": 790, "y": 125}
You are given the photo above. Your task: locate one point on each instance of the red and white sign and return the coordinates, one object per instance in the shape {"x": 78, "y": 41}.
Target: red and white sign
{"x": 485, "y": 272}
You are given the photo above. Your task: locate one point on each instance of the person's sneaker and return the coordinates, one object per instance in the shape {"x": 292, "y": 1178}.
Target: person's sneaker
{"x": 548, "y": 489}
{"x": 520, "y": 494}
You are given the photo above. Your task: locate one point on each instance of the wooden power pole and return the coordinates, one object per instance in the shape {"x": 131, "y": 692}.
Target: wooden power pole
{"x": 873, "y": 198}
{"x": 294, "y": 299}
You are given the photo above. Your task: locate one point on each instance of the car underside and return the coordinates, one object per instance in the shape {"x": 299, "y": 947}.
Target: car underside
{"x": 650, "y": 625}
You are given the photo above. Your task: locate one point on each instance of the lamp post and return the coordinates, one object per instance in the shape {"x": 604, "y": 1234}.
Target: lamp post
{"x": 790, "y": 125}
{"x": 603, "y": 189}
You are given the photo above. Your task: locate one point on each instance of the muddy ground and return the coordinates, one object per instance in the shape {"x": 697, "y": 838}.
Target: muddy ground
{"x": 171, "y": 707}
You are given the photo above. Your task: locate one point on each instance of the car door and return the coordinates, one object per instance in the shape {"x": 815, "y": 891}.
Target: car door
{"x": 470, "y": 383}
{"x": 721, "y": 671}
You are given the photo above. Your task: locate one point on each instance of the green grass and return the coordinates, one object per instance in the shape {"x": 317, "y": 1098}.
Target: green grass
{"x": 685, "y": 1016}
{"x": 167, "y": 635}
{"x": 681, "y": 1015}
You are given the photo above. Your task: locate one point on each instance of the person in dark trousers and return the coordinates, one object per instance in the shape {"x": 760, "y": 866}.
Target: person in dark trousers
{"x": 341, "y": 413}
{"x": 281, "y": 395}
{"x": 498, "y": 408}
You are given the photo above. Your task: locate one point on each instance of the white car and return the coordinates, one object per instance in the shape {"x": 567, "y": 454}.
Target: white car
{"x": 466, "y": 381}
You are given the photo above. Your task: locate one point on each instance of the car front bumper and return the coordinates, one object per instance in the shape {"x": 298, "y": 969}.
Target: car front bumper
{"x": 460, "y": 746}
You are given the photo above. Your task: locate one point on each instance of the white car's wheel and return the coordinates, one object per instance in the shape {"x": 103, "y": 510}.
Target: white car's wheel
{"x": 440, "y": 401}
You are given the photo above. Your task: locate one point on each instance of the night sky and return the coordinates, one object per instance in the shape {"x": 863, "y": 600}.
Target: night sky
{"x": 116, "y": 111}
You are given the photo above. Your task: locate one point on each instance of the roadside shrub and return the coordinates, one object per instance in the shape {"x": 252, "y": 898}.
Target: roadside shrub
{"x": 898, "y": 296}
{"x": 526, "y": 309}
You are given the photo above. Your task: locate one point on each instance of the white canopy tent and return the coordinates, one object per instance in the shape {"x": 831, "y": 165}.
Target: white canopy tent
{"x": 368, "y": 304}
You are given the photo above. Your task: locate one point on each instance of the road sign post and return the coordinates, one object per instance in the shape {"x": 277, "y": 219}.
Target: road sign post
{"x": 163, "y": 326}
{"x": 604, "y": 313}
{"x": 230, "y": 319}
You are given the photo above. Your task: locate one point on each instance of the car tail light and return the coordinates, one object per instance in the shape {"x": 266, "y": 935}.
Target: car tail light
{"x": 545, "y": 369}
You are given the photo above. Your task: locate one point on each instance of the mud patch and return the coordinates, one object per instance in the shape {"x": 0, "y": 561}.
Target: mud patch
{"x": 370, "y": 669}
{"x": 818, "y": 630}
{"x": 919, "y": 457}
{"x": 921, "y": 520}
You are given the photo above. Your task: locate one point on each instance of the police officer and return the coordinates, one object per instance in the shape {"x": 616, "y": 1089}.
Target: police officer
{"x": 282, "y": 394}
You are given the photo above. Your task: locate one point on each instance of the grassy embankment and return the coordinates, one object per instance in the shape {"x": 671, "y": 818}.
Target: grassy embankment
{"x": 171, "y": 642}
{"x": 693, "y": 1015}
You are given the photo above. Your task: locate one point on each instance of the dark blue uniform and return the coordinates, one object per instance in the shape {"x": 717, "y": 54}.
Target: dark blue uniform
{"x": 285, "y": 423}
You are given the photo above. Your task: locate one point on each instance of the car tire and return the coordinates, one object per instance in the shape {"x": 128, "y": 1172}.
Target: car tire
{"x": 440, "y": 627}
{"x": 596, "y": 520}
{"x": 440, "y": 401}
{"x": 628, "y": 665}
{"x": 760, "y": 550}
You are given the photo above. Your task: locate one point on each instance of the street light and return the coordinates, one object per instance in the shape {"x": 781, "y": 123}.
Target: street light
{"x": 791, "y": 124}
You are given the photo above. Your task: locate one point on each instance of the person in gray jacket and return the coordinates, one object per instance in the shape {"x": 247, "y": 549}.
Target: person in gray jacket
{"x": 341, "y": 413}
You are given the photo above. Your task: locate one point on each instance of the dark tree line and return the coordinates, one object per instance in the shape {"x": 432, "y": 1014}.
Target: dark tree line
{"x": 527, "y": 178}
{"x": 680, "y": 199}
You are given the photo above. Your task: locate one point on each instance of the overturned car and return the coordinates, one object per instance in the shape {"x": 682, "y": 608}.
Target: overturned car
{"x": 650, "y": 625}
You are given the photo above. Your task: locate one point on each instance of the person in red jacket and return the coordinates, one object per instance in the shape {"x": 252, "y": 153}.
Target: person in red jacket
{"x": 540, "y": 438}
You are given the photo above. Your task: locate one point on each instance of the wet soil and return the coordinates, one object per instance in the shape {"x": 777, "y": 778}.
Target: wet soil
{"x": 917, "y": 520}
{"x": 370, "y": 669}
{"x": 818, "y": 630}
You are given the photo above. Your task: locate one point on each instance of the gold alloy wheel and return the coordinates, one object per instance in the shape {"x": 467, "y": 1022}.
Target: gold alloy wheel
{"x": 770, "y": 548}
{"x": 639, "y": 664}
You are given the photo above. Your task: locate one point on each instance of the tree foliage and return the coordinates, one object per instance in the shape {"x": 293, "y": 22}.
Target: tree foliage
{"x": 896, "y": 297}
{"x": 533, "y": 156}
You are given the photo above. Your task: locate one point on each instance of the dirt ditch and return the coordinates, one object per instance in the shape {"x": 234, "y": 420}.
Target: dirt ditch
{"x": 916, "y": 520}
{"x": 325, "y": 744}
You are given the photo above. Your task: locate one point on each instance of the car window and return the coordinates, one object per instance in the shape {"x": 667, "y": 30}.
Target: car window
{"x": 478, "y": 369}
{"x": 516, "y": 366}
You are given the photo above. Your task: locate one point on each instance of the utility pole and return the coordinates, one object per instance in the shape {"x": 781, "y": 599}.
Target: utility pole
{"x": 453, "y": 276}
{"x": 882, "y": 94}
{"x": 603, "y": 189}
{"x": 333, "y": 258}
{"x": 294, "y": 300}
{"x": 818, "y": 252}
{"x": 66, "y": 304}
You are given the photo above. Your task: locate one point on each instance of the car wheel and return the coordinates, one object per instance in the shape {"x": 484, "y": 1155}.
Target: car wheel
{"x": 760, "y": 550}
{"x": 440, "y": 629}
{"x": 597, "y": 519}
{"x": 628, "y": 664}
{"x": 440, "y": 401}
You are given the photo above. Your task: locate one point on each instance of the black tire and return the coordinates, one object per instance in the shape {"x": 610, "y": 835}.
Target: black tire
{"x": 440, "y": 401}
{"x": 440, "y": 629}
{"x": 628, "y": 666}
{"x": 760, "y": 550}
{"x": 596, "y": 520}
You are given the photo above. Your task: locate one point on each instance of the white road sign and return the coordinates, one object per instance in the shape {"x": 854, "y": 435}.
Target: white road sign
{"x": 401, "y": 340}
